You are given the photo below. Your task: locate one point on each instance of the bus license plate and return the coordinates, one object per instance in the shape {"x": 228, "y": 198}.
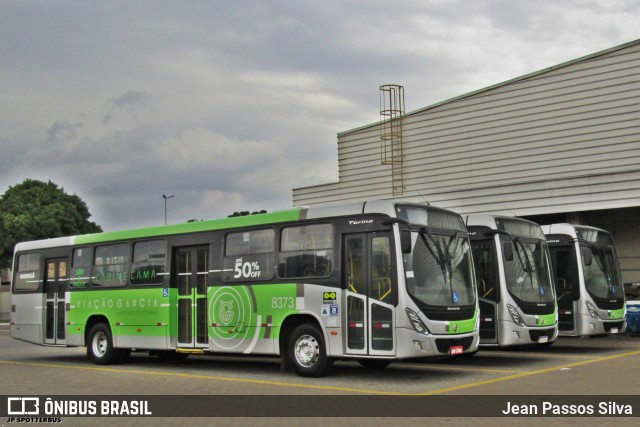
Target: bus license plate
{"x": 543, "y": 339}
{"x": 456, "y": 349}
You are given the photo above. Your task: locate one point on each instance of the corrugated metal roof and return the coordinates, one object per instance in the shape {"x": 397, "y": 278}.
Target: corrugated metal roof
{"x": 517, "y": 79}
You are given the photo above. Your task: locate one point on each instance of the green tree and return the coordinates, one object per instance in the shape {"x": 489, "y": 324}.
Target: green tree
{"x": 40, "y": 210}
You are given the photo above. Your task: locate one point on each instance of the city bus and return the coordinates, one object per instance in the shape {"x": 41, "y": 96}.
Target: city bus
{"x": 588, "y": 280}
{"x": 374, "y": 281}
{"x": 515, "y": 286}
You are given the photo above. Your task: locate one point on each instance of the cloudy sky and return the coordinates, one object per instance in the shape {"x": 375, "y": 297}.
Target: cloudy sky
{"x": 228, "y": 105}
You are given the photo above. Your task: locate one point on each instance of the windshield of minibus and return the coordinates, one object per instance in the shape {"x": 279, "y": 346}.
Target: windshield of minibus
{"x": 602, "y": 275}
{"x": 439, "y": 268}
{"x": 527, "y": 271}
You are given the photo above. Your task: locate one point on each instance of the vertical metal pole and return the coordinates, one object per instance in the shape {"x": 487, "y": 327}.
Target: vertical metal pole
{"x": 165, "y": 197}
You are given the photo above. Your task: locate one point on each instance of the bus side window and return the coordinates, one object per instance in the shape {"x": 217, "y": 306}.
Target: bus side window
{"x": 249, "y": 255}
{"x": 354, "y": 265}
{"x": 111, "y": 265}
{"x": 80, "y": 268}
{"x": 562, "y": 264}
{"x": 149, "y": 259}
{"x": 486, "y": 271}
{"x": 306, "y": 251}
{"x": 382, "y": 270}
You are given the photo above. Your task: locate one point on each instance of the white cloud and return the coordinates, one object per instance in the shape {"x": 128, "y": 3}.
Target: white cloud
{"x": 229, "y": 106}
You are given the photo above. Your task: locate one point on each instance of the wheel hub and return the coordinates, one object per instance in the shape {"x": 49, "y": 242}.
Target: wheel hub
{"x": 307, "y": 350}
{"x": 100, "y": 344}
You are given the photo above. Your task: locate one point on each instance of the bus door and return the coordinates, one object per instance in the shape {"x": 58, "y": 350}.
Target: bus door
{"x": 487, "y": 278}
{"x": 370, "y": 293}
{"x": 191, "y": 273}
{"x": 564, "y": 262}
{"x": 55, "y": 290}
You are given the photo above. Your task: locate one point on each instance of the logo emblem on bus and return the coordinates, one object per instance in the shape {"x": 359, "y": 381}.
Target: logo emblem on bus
{"x": 226, "y": 312}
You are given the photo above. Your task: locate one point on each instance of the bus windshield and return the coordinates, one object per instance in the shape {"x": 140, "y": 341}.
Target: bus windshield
{"x": 527, "y": 272}
{"x": 602, "y": 275}
{"x": 439, "y": 271}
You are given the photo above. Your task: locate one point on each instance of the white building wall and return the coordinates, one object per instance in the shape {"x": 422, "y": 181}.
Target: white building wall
{"x": 562, "y": 139}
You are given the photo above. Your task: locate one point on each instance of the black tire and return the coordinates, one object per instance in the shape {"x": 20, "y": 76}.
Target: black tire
{"x": 100, "y": 345}
{"x": 307, "y": 352}
{"x": 374, "y": 364}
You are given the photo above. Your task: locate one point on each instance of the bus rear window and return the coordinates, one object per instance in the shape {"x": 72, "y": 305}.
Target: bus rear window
{"x": 28, "y": 276}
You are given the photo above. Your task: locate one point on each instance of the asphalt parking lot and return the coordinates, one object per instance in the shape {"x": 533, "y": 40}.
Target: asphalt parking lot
{"x": 608, "y": 366}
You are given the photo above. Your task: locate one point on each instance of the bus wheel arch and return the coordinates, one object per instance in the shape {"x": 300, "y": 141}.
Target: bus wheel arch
{"x": 99, "y": 342}
{"x": 303, "y": 346}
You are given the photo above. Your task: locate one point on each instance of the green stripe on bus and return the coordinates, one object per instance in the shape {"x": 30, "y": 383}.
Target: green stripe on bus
{"x": 546, "y": 319}
{"x": 616, "y": 314}
{"x": 463, "y": 326}
{"x": 122, "y": 307}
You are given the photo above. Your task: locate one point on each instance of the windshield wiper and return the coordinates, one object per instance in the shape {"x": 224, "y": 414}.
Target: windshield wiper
{"x": 526, "y": 267}
{"x": 441, "y": 258}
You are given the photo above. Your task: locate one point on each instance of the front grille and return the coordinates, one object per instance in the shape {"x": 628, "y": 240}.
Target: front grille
{"x": 537, "y": 310}
{"x": 535, "y": 334}
{"x": 452, "y": 315}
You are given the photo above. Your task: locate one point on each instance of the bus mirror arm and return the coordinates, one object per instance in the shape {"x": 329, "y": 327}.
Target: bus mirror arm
{"x": 405, "y": 233}
{"x": 507, "y": 250}
{"x": 405, "y": 241}
{"x": 507, "y": 247}
{"x": 587, "y": 256}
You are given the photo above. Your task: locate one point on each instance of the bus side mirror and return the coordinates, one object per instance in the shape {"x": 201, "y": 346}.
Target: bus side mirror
{"x": 405, "y": 241}
{"x": 507, "y": 250}
{"x": 587, "y": 256}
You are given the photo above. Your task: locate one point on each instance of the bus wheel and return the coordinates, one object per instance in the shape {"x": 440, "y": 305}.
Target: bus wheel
{"x": 374, "y": 364}
{"x": 100, "y": 346}
{"x": 307, "y": 352}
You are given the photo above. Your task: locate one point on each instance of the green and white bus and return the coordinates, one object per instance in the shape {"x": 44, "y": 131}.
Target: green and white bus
{"x": 373, "y": 281}
{"x": 588, "y": 280}
{"x": 515, "y": 286}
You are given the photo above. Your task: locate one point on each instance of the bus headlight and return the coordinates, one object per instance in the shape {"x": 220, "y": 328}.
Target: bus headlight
{"x": 517, "y": 319}
{"x": 592, "y": 310}
{"x": 417, "y": 324}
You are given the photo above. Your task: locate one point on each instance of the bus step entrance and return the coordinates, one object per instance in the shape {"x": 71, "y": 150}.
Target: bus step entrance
{"x": 190, "y": 350}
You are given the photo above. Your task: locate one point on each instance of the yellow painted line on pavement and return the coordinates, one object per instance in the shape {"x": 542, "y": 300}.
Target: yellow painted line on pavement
{"x": 520, "y": 354}
{"x": 529, "y": 373}
{"x": 428, "y": 367}
{"x": 203, "y": 377}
